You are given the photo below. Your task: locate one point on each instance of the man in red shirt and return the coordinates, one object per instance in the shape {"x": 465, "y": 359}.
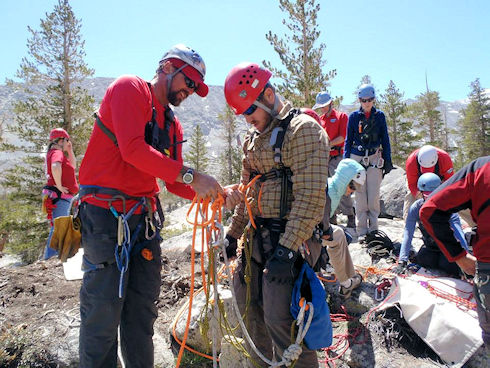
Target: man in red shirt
{"x": 135, "y": 140}
{"x": 426, "y": 159}
{"x": 469, "y": 189}
{"x": 335, "y": 124}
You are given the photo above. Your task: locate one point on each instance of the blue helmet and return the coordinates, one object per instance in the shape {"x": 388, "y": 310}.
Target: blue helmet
{"x": 366, "y": 91}
{"x": 428, "y": 182}
{"x": 322, "y": 100}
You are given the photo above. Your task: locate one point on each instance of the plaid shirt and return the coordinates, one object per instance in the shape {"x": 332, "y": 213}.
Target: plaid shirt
{"x": 305, "y": 151}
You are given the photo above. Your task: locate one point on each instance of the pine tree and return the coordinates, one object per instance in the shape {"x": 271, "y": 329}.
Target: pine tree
{"x": 197, "y": 156}
{"x": 50, "y": 77}
{"x": 399, "y": 127}
{"x": 230, "y": 160}
{"x": 303, "y": 62}
{"x": 427, "y": 117}
{"x": 475, "y": 124}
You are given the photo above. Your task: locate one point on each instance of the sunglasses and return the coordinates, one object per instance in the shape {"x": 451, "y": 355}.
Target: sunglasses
{"x": 352, "y": 186}
{"x": 253, "y": 106}
{"x": 364, "y": 100}
{"x": 189, "y": 82}
{"x": 250, "y": 110}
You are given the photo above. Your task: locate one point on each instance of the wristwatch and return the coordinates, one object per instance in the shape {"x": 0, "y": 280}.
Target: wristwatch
{"x": 188, "y": 176}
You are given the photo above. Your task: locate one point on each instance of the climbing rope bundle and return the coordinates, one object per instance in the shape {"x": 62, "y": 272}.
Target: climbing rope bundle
{"x": 208, "y": 218}
{"x": 379, "y": 245}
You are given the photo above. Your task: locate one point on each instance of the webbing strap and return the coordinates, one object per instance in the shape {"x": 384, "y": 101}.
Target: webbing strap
{"x": 105, "y": 129}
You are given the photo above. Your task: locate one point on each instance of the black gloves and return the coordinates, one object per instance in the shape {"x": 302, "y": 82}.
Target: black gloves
{"x": 387, "y": 167}
{"x": 401, "y": 268}
{"x": 231, "y": 247}
{"x": 280, "y": 267}
{"x": 329, "y": 233}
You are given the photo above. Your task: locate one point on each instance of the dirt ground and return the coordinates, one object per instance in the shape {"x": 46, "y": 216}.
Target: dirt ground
{"x": 39, "y": 319}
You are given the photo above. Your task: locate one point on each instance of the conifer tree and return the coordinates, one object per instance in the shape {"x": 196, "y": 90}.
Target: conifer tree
{"x": 303, "y": 75}
{"x": 399, "y": 127}
{"x": 197, "y": 156}
{"x": 50, "y": 77}
{"x": 230, "y": 160}
{"x": 475, "y": 124}
{"x": 427, "y": 117}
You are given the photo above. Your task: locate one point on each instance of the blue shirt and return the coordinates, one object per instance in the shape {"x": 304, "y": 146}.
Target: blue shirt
{"x": 379, "y": 137}
{"x": 413, "y": 218}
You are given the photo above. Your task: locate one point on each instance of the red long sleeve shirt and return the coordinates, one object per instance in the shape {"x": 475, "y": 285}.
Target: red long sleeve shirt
{"x": 335, "y": 124}
{"x": 133, "y": 166}
{"x": 412, "y": 168}
{"x": 468, "y": 188}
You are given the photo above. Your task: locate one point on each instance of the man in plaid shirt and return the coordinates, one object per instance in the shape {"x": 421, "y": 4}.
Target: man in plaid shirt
{"x": 288, "y": 202}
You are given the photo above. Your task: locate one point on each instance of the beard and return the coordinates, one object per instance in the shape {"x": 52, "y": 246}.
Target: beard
{"x": 173, "y": 97}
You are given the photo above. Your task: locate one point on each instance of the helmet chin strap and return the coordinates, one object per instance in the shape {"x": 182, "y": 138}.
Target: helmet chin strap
{"x": 171, "y": 76}
{"x": 272, "y": 112}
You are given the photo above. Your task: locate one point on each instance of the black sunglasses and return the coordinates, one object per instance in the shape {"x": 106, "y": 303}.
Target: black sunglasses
{"x": 189, "y": 82}
{"x": 250, "y": 110}
{"x": 253, "y": 106}
{"x": 367, "y": 99}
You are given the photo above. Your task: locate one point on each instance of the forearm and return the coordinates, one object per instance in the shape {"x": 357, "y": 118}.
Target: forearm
{"x": 337, "y": 141}
{"x": 56, "y": 172}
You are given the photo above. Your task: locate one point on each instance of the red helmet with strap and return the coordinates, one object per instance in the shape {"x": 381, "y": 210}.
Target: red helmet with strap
{"x": 244, "y": 84}
{"x": 58, "y": 133}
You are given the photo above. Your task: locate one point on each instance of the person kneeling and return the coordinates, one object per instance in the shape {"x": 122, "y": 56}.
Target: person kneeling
{"x": 429, "y": 255}
{"x": 348, "y": 176}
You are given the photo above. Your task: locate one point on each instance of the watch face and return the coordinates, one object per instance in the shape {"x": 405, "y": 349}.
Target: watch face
{"x": 188, "y": 177}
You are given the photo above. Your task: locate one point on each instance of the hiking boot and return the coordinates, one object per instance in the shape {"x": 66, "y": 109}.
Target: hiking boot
{"x": 333, "y": 220}
{"x": 351, "y": 221}
{"x": 355, "y": 281}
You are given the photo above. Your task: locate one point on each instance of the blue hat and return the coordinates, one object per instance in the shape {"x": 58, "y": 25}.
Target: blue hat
{"x": 322, "y": 100}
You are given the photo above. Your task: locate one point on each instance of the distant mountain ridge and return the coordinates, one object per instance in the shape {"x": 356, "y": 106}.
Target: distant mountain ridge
{"x": 195, "y": 110}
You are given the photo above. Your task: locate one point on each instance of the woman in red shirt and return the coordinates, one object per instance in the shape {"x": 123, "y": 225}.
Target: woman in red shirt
{"x": 61, "y": 183}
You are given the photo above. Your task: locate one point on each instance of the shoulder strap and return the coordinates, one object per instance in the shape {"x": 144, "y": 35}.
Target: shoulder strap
{"x": 278, "y": 136}
{"x": 106, "y": 130}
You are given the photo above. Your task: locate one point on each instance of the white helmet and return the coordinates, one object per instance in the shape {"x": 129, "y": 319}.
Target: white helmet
{"x": 427, "y": 156}
{"x": 360, "y": 177}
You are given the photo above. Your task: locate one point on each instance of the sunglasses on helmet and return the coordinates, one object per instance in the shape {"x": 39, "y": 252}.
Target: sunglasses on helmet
{"x": 189, "y": 82}
{"x": 367, "y": 99}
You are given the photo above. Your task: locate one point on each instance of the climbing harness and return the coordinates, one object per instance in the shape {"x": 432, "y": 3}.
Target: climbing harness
{"x": 282, "y": 172}
{"x": 155, "y": 136}
{"x": 126, "y": 240}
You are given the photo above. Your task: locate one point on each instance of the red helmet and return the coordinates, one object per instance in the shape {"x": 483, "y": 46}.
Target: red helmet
{"x": 312, "y": 113}
{"x": 58, "y": 133}
{"x": 244, "y": 84}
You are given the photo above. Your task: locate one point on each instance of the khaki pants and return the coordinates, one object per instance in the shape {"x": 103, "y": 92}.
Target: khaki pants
{"x": 268, "y": 318}
{"x": 346, "y": 205}
{"x": 367, "y": 197}
{"x": 339, "y": 254}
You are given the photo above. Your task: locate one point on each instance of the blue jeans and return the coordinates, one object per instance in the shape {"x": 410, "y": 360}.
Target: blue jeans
{"x": 62, "y": 209}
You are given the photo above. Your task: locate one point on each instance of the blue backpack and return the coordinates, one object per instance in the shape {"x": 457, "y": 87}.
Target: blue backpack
{"x": 307, "y": 285}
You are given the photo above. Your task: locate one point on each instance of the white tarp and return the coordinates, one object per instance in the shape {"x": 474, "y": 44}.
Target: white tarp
{"x": 452, "y": 332}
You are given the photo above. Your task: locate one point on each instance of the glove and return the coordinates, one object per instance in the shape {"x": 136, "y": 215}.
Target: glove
{"x": 231, "y": 247}
{"x": 280, "y": 267}
{"x": 401, "y": 269}
{"x": 328, "y": 233}
{"x": 387, "y": 167}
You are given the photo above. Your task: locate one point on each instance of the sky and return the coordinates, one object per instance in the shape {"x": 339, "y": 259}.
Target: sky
{"x": 403, "y": 41}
